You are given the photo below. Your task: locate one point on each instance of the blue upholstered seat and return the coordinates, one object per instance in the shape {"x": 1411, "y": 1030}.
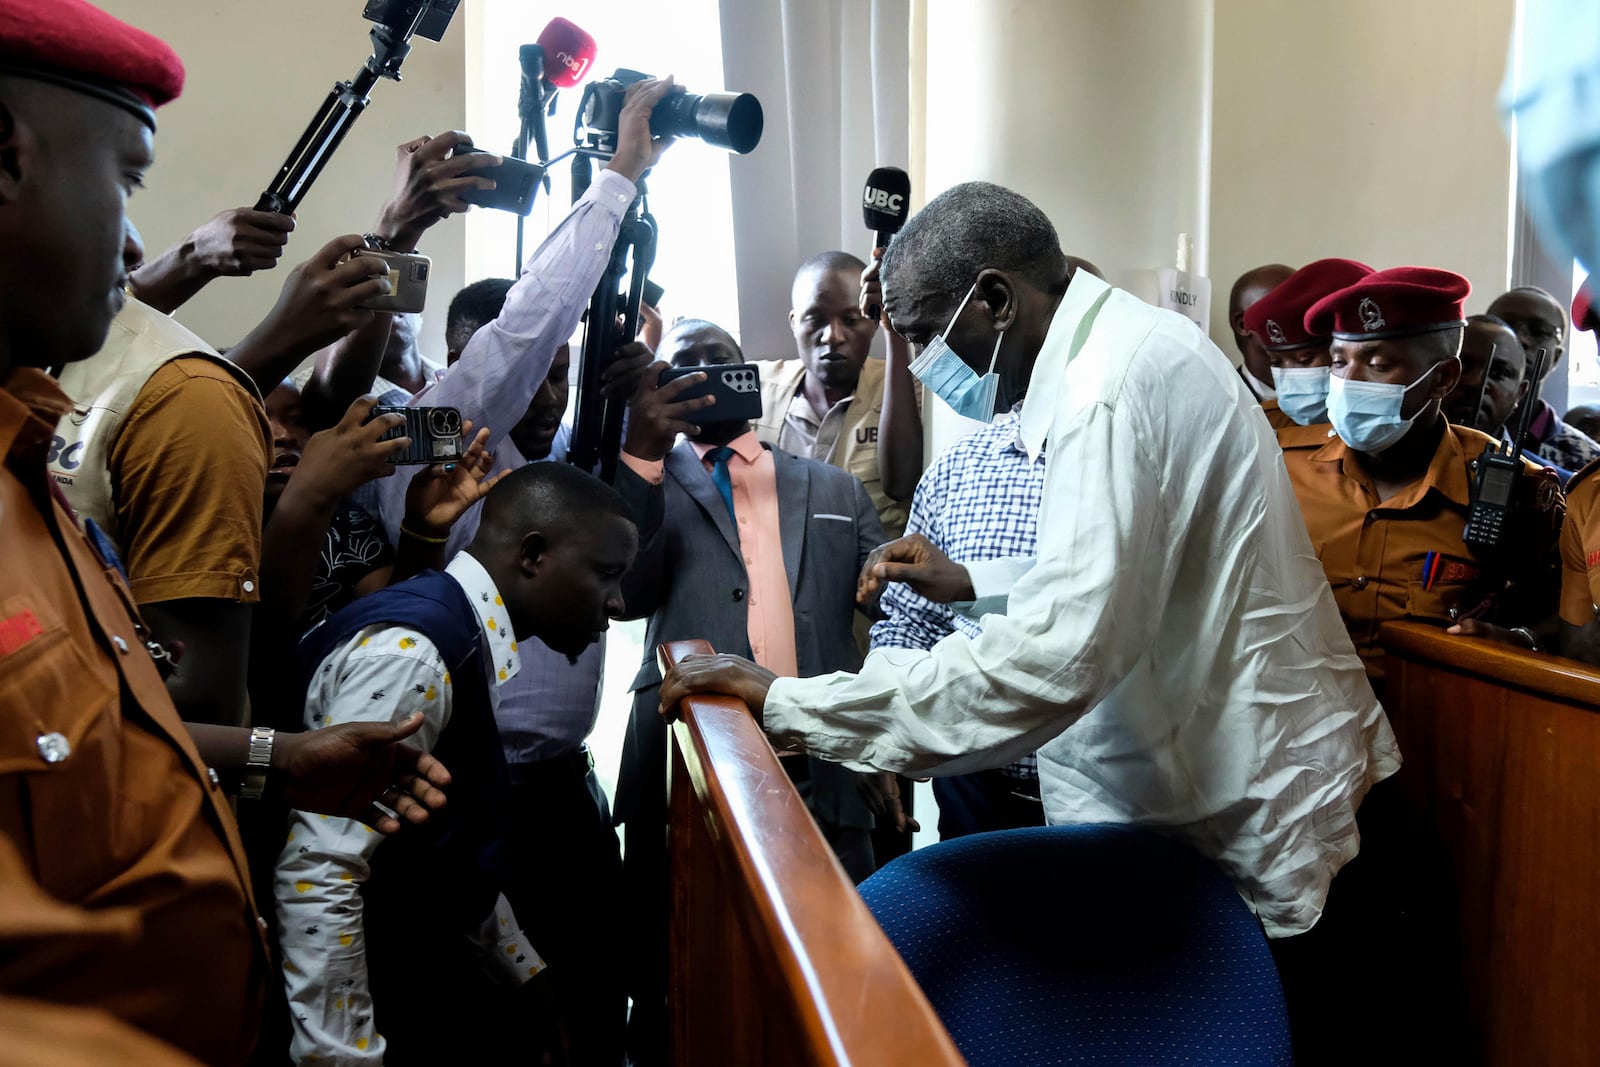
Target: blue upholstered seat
{"x": 1083, "y": 945}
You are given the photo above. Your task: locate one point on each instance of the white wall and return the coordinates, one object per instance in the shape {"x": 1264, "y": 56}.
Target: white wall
{"x": 1095, "y": 110}
{"x": 256, "y": 75}
{"x": 1361, "y": 128}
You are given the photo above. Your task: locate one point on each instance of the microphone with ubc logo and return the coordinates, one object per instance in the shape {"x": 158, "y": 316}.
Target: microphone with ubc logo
{"x": 885, "y": 205}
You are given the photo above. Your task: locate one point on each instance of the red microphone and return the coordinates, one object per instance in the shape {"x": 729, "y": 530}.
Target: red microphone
{"x": 568, "y": 53}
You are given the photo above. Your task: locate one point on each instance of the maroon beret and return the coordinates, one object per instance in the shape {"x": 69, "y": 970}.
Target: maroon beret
{"x": 1585, "y": 316}
{"x": 76, "y": 45}
{"x": 1279, "y": 317}
{"x": 1397, "y": 302}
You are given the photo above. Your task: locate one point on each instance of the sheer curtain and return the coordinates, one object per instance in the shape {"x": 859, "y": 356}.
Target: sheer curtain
{"x": 833, "y": 80}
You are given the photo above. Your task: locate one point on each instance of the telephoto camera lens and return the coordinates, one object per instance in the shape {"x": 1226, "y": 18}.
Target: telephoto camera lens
{"x": 723, "y": 120}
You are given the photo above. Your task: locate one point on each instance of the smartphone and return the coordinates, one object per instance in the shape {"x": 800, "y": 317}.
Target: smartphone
{"x": 737, "y": 387}
{"x": 435, "y": 433}
{"x": 515, "y": 182}
{"x": 408, "y": 281}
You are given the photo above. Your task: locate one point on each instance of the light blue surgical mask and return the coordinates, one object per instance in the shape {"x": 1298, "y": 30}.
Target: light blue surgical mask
{"x": 1366, "y": 415}
{"x": 1303, "y": 393}
{"x": 951, "y": 380}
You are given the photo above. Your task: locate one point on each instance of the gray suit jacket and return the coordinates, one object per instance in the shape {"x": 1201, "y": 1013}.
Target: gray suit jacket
{"x": 690, "y": 580}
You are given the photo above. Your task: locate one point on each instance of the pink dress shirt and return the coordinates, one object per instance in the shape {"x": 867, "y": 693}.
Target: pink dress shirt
{"x": 770, "y": 617}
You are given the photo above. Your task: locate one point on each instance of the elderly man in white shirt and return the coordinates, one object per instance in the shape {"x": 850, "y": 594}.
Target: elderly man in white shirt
{"x": 364, "y": 970}
{"x": 1174, "y": 651}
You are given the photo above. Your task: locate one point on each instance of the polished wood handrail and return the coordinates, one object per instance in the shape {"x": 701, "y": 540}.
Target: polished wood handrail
{"x": 1501, "y": 786}
{"x": 1548, "y": 676}
{"x": 846, "y": 995}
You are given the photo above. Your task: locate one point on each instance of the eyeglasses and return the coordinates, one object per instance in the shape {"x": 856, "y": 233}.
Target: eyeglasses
{"x": 1538, "y": 329}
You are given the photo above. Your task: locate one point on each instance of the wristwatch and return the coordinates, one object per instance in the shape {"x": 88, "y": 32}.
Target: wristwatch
{"x": 256, "y": 764}
{"x": 1522, "y": 632}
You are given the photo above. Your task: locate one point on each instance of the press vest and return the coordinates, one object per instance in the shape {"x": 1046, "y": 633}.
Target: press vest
{"x": 103, "y": 389}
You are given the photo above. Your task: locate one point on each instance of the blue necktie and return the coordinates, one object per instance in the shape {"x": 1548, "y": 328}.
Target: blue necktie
{"x": 722, "y": 479}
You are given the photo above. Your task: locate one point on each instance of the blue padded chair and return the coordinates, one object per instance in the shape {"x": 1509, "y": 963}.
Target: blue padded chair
{"x": 1083, "y": 945}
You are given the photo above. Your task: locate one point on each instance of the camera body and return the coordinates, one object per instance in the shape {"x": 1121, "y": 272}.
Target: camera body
{"x": 408, "y": 281}
{"x": 737, "y": 387}
{"x": 515, "y": 182}
{"x": 723, "y": 120}
{"x": 435, "y": 433}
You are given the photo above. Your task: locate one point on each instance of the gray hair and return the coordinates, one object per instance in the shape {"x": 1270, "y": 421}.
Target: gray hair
{"x": 971, "y": 227}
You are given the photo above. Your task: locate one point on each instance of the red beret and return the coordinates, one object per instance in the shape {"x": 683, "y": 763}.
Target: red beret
{"x": 75, "y": 44}
{"x": 1397, "y": 302}
{"x": 1279, "y": 317}
{"x": 1584, "y": 314}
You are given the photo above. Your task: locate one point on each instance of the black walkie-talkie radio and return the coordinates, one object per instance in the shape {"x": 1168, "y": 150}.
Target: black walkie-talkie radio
{"x": 1495, "y": 488}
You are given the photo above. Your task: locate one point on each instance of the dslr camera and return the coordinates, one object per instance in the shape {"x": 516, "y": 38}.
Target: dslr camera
{"x": 731, "y": 121}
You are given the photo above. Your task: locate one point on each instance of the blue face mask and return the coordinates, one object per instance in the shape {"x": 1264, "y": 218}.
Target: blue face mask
{"x": 1366, "y": 415}
{"x": 951, "y": 380}
{"x": 1303, "y": 393}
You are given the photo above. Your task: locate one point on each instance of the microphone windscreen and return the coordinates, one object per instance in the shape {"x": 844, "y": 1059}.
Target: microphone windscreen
{"x": 886, "y": 201}
{"x": 568, "y": 53}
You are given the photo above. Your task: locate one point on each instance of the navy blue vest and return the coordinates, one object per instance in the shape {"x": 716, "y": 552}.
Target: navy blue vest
{"x": 452, "y": 866}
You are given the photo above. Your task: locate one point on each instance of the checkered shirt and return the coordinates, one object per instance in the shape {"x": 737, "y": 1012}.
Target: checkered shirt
{"x": 978, "y": 500}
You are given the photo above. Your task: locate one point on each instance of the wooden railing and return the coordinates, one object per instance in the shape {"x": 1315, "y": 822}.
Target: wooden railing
{"x": 775, "y": 959}
{"x": 1502, "y": 764}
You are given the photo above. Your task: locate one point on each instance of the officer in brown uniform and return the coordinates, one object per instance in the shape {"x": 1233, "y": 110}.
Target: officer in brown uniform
{"x": 124, "y": 899}
{"x": 1387, "y": 490}
{"x": 1300, "y": 361}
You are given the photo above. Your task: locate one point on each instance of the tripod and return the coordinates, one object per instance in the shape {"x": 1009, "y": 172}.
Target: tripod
{"x": 611, "y": 322}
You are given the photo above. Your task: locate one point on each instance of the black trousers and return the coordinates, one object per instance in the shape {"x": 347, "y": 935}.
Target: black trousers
{"x": 566, "y": 889}
{"x": 1376, "y": 981}
{"x": 986, "y": 800}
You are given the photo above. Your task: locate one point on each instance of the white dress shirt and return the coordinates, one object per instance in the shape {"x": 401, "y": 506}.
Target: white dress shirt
{"x": 383, "y": 674}
{"x": 1174, "y": 652}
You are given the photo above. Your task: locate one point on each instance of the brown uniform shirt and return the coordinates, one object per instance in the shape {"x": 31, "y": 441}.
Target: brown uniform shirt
{"x": 1275, "y": 415}
{"x": 122, "y": 881}
{"x": 1401, "y": 558}
{"x": 1580, "y": 549}
{"x": 188, "y": 470}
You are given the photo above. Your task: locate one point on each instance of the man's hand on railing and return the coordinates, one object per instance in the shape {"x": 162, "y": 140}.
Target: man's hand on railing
{"x": 731, "y": 676}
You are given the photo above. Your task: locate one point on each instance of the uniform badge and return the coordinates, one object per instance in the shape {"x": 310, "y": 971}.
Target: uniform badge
{"x": 1275, "y": 332}
{"x": 1371, "y": 314}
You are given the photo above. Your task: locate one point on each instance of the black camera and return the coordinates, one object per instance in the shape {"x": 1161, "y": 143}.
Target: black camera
{"x": 723, "y": 120}
{"x": 435, "y": 433}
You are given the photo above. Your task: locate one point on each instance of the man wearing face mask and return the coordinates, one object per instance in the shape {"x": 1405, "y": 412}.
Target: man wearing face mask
{"x": 1300, "y": 360}
{"x": 1172, "y": 651}
{"x": 1387, "y": 492}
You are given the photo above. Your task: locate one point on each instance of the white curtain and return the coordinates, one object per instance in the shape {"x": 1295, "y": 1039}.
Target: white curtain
{"x": 833, "y": 80}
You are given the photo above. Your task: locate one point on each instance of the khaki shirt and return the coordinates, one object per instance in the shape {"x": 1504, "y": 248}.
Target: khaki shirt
{"x": 1580, "y": 549}
{"x": 1275, "y": 416}
{"x": 856, "y": 447}
{"x": 123, "y": 884}
{"x": 1375, "y": 552}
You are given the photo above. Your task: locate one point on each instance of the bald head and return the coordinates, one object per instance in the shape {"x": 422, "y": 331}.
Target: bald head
{"x": 1539, "y": 320}
{"x": 1252, "y": 286}
{"x": 556, "y": 542}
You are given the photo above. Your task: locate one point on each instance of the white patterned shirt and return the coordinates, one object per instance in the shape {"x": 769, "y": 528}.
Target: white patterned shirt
{"x": 978, "y": 500}
{"x": 382, "y": 674}
{"x": 1174, "y": 652}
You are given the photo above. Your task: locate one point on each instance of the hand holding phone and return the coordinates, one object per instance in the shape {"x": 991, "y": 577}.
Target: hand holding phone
{"x": 515, "y": 183}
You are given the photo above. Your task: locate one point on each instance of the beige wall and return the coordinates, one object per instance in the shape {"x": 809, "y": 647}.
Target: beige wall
{"x": 1362, "y": 128}
{"x": 256, "y": 75}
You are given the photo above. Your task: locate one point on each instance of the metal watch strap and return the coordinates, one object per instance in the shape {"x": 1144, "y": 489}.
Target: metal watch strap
{"x": 378, "y": 242}
{"x": 256, "y": 764}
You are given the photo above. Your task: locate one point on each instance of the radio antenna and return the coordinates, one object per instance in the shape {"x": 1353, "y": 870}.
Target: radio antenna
{"x": 1527, "y": 408}
{"x": 1483, "y": 388}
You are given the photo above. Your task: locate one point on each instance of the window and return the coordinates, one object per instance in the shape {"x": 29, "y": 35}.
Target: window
{"x": 1583, "y": 362}
{"x": 688, "y": 193}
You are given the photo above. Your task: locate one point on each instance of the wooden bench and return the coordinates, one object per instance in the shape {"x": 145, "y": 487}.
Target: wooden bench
{"x": 775, "y": 959}
{"x": 1502, "y": 766}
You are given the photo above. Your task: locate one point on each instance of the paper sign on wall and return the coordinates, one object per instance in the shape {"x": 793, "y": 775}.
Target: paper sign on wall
{"x": 1187, "y": 294}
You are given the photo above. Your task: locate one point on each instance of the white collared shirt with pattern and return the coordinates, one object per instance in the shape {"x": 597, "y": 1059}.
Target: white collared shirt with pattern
{"x": 382, "y": 674}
